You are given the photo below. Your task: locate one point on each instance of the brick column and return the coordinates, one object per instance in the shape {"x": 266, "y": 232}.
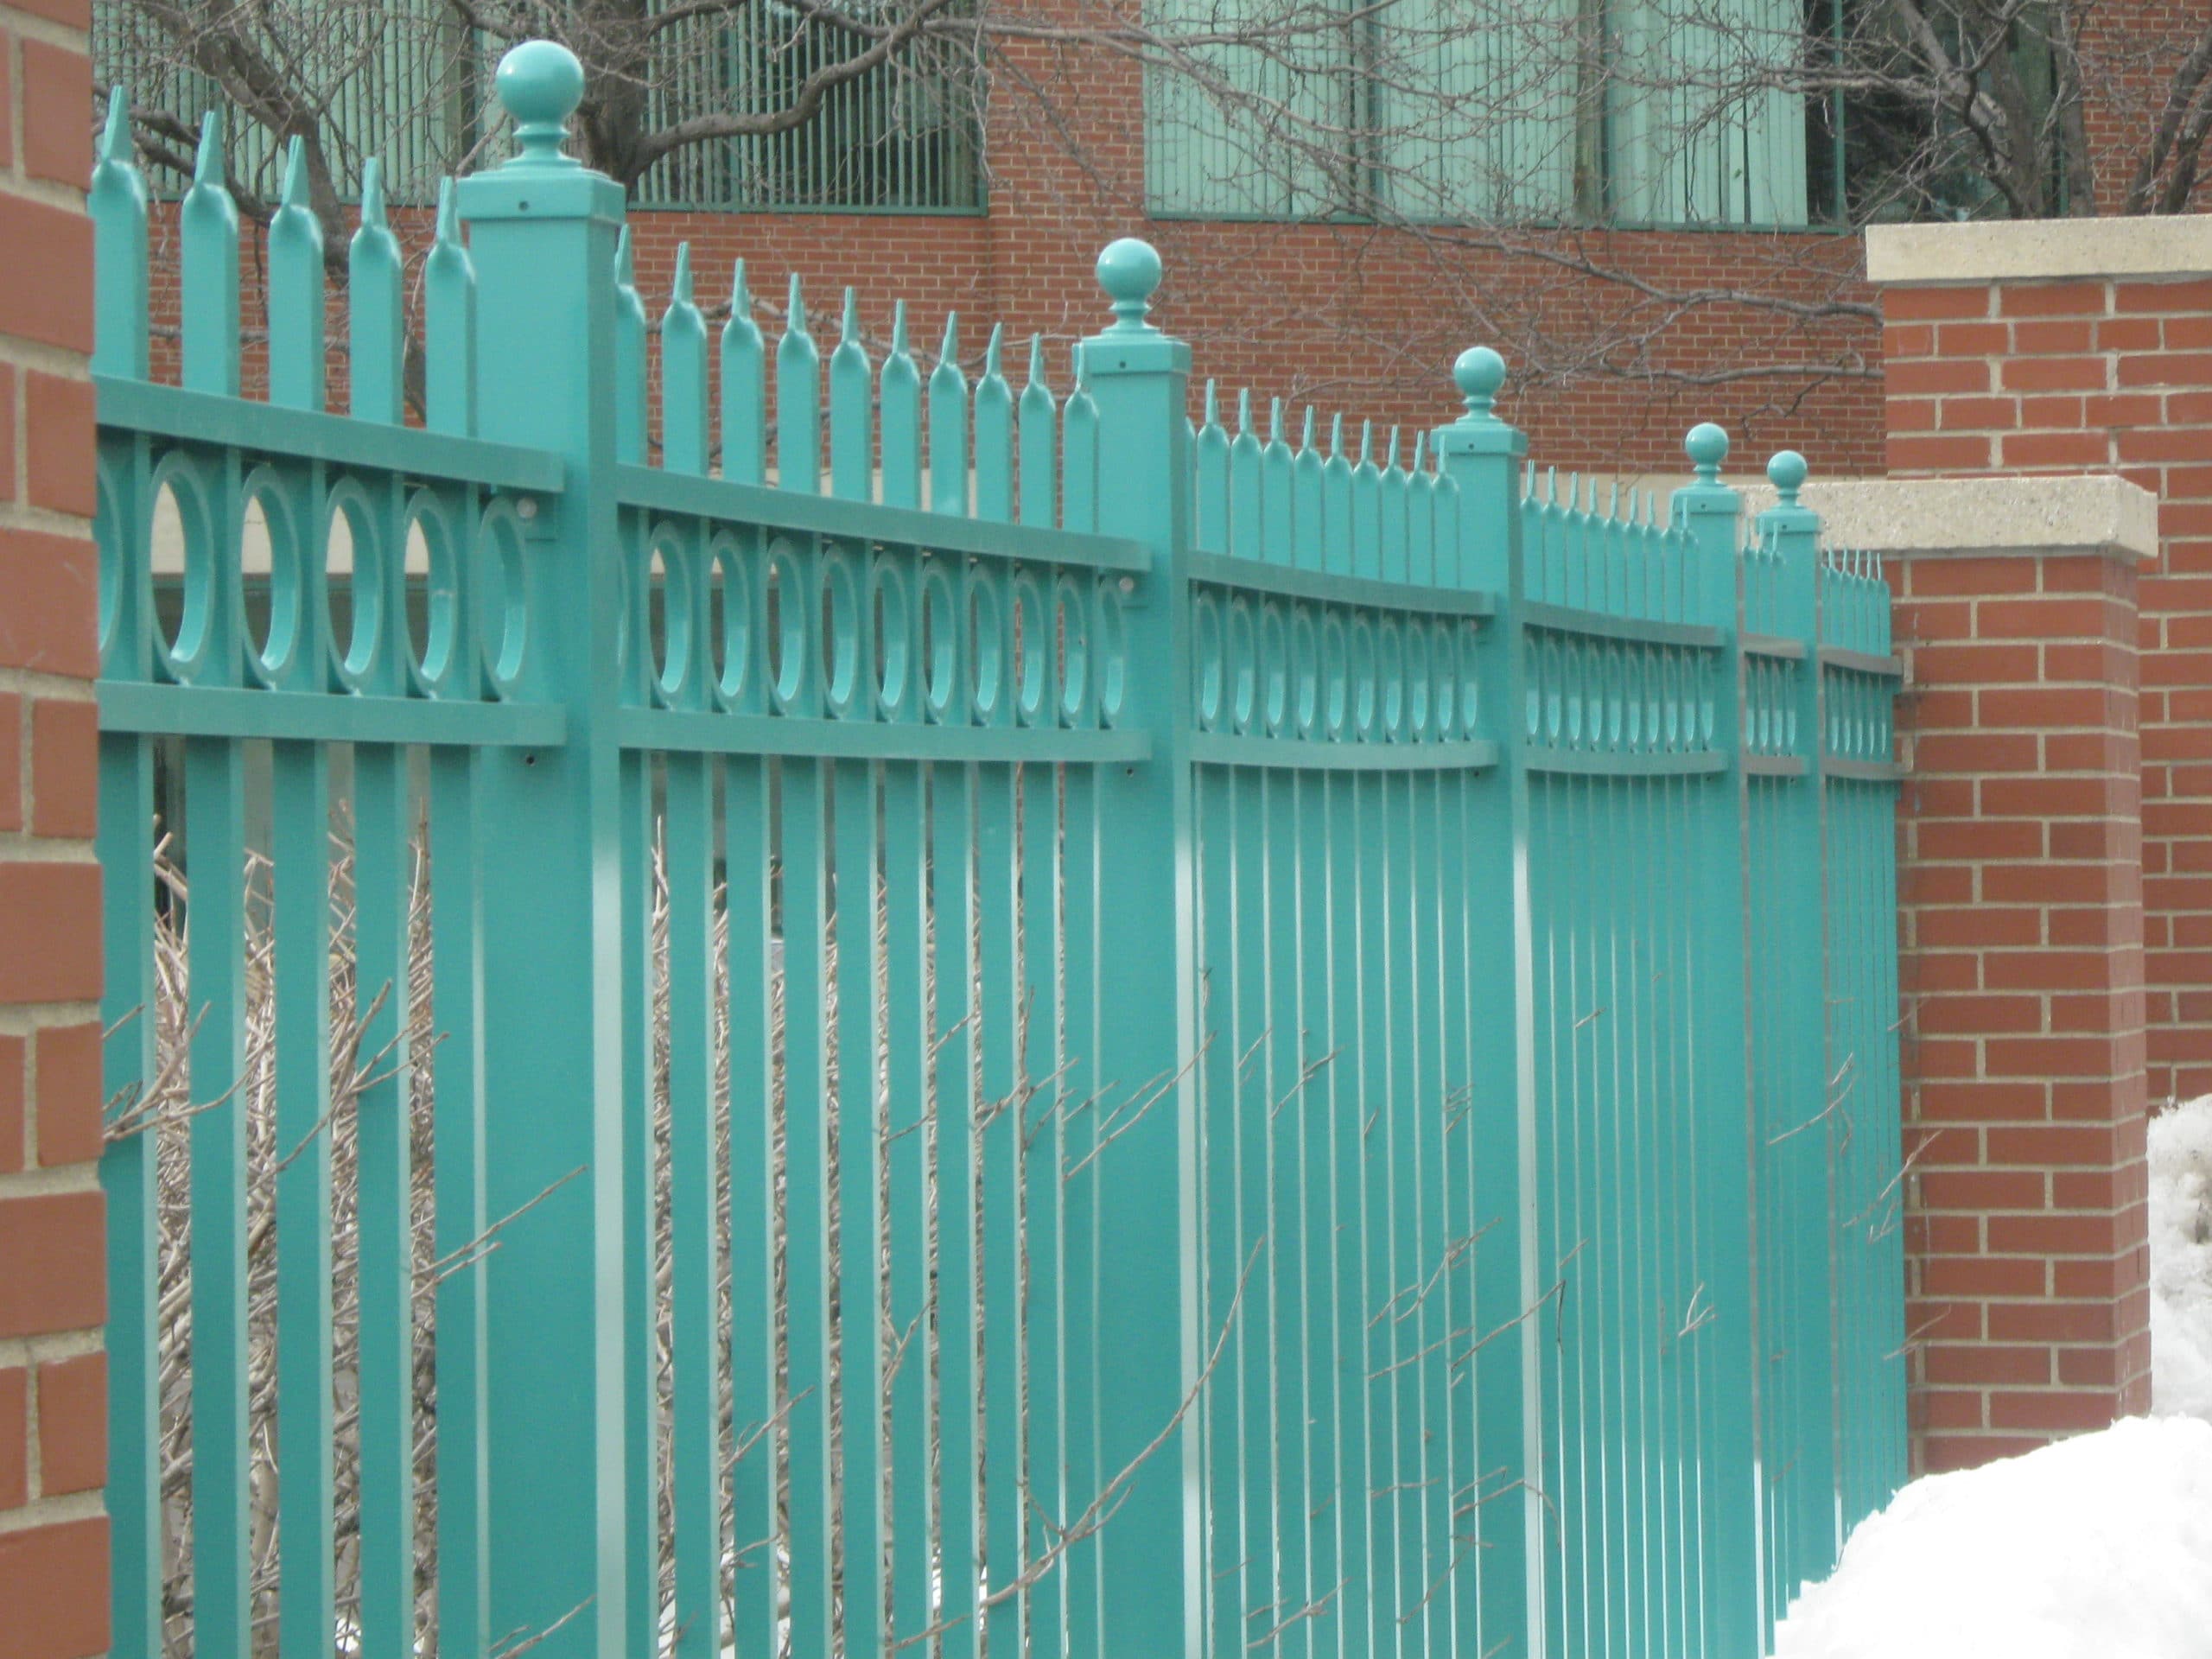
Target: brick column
{"x": 53, "y": 1598}
{"x": 2020, "y": 889}
{"x": 2087, "y": 345}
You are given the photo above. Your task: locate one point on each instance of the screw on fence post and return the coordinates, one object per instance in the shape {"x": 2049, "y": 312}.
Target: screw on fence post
{"x": 1706, "y": 512}
{"x": 1481, "y": 454}
{"x": 543, "y": 230}
{"x": 1149, "y": 1570}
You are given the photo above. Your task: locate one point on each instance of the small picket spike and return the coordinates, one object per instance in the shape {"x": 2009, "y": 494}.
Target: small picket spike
{"x": 1335, "y": 437}
{"x": 1247, "y": 465}
{"x": 1274, "y": 422}
{"x": 1390, "y": 450}
{"x": 450, "y": 324}
{"x": 1079, "y": 450}
{"x": 629, "y": 355}
{"x": 1209, "y": 447}
{"x": 295, "y": 309}
{"x": 994, "y": 435}
{"x": 948, "y": 400}
{"x": 117, "y": 202}
{"x": 1244, "y": 412}
{"x": 1039, "y": 416}
{"x": 799, "y": 399}
{"x": 1420, "y": 451}
{"x": 744, "y": 388}
{"x": 898, "y": 397}
{"x": 210, "y": 235}
{"x": 374, "y": 278}
{"x": 683, "y": 442}
{"x": 852, "y": 414}
{"x": 1306, "y": 441}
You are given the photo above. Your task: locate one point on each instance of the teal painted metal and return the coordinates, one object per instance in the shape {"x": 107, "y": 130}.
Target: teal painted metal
{"x": 1301, "y": 1036}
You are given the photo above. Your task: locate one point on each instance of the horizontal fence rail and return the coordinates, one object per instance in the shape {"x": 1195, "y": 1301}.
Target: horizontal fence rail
{"x": 874, "y": 1010}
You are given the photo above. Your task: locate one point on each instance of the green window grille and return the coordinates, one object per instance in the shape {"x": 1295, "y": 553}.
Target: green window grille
{"x": 1634, "y": 111}
{"x": 902, "y": 137}
{"x": 404, "y": 81}
{"x": 393, "y": 79}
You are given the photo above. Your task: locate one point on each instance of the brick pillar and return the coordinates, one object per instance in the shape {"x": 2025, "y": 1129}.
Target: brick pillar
{"x": 2087, "y": 345}
{"x": 53, "y": 1598}
{"x": 2020, "y": 891}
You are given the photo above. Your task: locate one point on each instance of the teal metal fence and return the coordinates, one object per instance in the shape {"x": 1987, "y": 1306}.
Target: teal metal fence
{"x": 1050, "y": 1028}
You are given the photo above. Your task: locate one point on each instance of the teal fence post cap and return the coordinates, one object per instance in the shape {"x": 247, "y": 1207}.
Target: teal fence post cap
{"x": 1129, "y": 269}
{"x": 1707, "y": 447}
{"x": 540, "y": 83}
{"x": 1478, "y": 372}
{"x": 1787, "y": 472}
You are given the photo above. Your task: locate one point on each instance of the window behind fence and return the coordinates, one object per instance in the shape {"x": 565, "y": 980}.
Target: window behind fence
{"x": 405, "y": 81}
{"x": 1636, "y": 111}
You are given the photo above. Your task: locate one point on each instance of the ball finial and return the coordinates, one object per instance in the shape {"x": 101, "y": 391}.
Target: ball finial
{"x": 1478, "y": 373}
{"x": 1786, "y": 472}
{"x": 1129, "y": 269}
{"x": 540, "y": 83}
{"x": 1707, "y": 446}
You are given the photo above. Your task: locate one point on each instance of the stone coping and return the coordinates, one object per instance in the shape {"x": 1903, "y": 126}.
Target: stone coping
{"x": 2166, "y": 245}
{"x": 1980, "y": 518}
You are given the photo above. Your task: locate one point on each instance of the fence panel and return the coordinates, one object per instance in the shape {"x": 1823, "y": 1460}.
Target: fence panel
{"x": 1007, "y": 1023}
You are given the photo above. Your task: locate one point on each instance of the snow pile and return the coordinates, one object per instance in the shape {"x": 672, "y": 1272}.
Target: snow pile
{"x": 2096, "y": 1547}
{"x": 2181, "y": 1262}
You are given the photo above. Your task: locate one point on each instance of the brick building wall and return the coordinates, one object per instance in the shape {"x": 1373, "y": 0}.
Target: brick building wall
{"x": 53, "y": 1407}
{"x": 2069, "y": 348}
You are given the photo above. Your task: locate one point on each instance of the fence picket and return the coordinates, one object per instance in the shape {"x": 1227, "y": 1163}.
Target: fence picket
{"x": 376, "y": 337}
{"x": 901, "y": 398}
{"x": 994, "y": 438}
{"x": 1038, "y": 419}
{"x": 450, "y": 325}
{"x": 799, "y": 401}
{"x": 295, "y": 345}
{"x": 948, "y": 416}
{"x": 745, "y": 424}
{"x": 208, "y": 228}
{"x": 852, "y": 448}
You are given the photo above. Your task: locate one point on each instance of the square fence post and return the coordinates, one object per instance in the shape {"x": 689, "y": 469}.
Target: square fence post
{"x": 1148, "y": 1344}
{"x": 1482, "y": 455}
{"x": 543, "y": 234}
{"x": 1720, "y": 1082}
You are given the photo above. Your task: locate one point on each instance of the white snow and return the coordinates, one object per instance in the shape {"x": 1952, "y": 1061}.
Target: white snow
{"x": 2097, "y": 1547}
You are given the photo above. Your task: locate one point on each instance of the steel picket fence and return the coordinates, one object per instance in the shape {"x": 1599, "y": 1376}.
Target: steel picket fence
{"x": 1013, "y": 1023}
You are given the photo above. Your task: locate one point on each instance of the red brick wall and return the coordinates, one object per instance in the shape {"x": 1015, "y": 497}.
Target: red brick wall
{"x": 2105, "y": 375}
{"x": 53, "y": 1408}
{"x": 2022, "y": 932}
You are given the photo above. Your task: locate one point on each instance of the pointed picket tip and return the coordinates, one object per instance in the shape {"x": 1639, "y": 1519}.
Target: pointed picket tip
{"x": 1274, "y": 422}
{"x": 373, "y": 209}
{"x": 1390, "y": 451}
{"x": 208, "y": 161}
{"x": 1036, "y": 362}
{"x": 1213, "y": 403}
{"x": 1078, "y": 368}
{"x": 950, "y": 351}
{"x": 741, "y": 302}
{"x": 293, "y": 191}
{"x": 115, "y": 133}
{"x": 1306, "y": 441}
{"x": 1366, "y": 443}
{"x": 1421, "y": 452}
{"x": 1335, "y": 437}
{"x": 1551, "y": 484}
{"x": 848, "y": 322}
{"x": 899, "y": 347}
{"x": 681, "y": 288}
{"x": 448, "y": 234}
{"x": 991, "y": 351}
{"x": 794, "y": 310}
{"x": 1244, "y": 412}
{"x": 626, "y": 261}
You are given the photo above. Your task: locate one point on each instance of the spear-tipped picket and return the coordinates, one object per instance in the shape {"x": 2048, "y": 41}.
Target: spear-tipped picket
{"x": 899, "y": 398}
{"x": 799, "y": 400}
{"x": 1336, "y": 533}
{"x": 684, "y": 375}
{"x": 1308, "y": 478}
{"x": 377, "y": 339}
{"x": 1420, "y": 515}
{"x": 1212, "y": 527}
{"x": 117, "y": 205}
{"x": 1245, "y": 514}
{"x": 852, "y": 415}
{"x": 1079, "y": 450}
{"x": 1038, "y": 416}
{"x": 450, "y": 324}
{"x": 1390, "y": 490}
{"x": 209, "y": 231}
{"x": 1276, "y": 535}
{"x": 994, "y": 438}
{"x": 744, "y": 388}
{"x": 948, "y": 426}
{"x": 629, "y": 355}
{"x": 295, "y": 344}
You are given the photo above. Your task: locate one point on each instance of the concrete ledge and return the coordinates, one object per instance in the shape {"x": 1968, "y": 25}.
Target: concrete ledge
{"x": 1978, "y": 517}
{"x": 2176, "y": 245}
